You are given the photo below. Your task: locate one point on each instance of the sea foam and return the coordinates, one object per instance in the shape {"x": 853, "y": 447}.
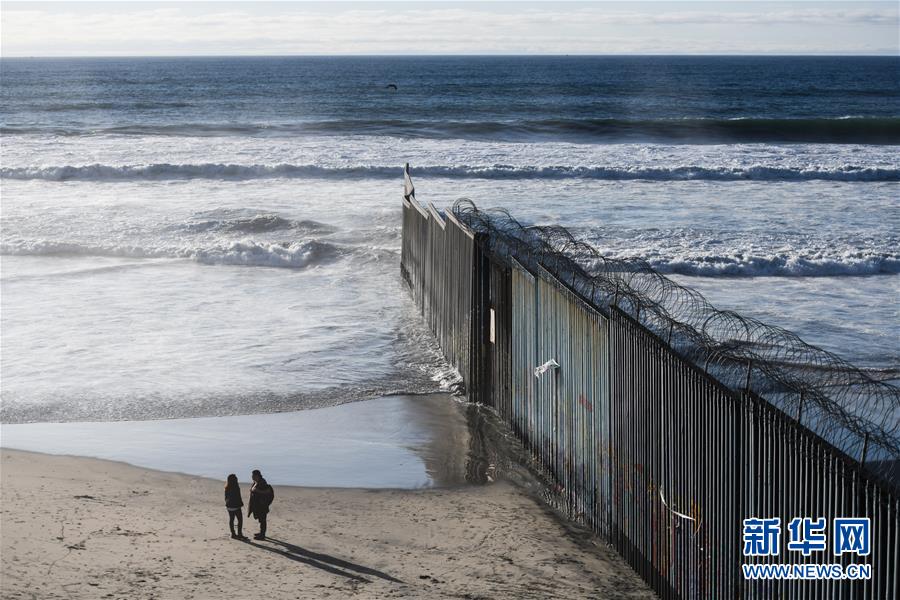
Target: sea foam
{"x": 231, "y": 171}
{"x": 293, "y": 255}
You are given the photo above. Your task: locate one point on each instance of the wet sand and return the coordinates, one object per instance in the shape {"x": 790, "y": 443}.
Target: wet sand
{"x": 86, "y": 528}
{"x": 404, "y": 442}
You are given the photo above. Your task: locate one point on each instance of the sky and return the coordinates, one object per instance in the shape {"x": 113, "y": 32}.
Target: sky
{"x": 421, "y": 28}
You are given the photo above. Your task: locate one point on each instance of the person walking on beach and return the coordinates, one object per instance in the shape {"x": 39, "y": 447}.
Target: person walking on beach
{"x": 261, "y": 496}
{"x": 234, "y": 503}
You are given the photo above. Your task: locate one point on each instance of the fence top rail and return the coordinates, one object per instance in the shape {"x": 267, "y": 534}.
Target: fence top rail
{"x": 567, "y": 289}
{"x": 430, "y": 211}
{"x": 436, "y": 215}
{"x": 462, "y": 226}
{"x": 617, "y": 313}
{"x": 889, "y": 487}
{"x": 409, "y": 190}
{"x": 418, "y": 206}
{"x": 517, "y": 265}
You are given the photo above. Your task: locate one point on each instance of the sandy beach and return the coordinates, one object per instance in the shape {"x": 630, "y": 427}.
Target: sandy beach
{"x": 85, "y": 528}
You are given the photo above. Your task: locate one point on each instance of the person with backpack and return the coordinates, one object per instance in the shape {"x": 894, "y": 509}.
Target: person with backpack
{"x": 261, "y": 496}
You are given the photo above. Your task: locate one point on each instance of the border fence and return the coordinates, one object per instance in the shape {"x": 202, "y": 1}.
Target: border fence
{"x": 661, "y": 430}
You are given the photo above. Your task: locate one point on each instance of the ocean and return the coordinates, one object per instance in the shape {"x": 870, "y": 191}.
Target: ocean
{"x": 194, "y": 237}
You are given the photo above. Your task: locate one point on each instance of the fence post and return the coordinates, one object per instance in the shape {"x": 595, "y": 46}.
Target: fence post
{"x": 749, "y": 371}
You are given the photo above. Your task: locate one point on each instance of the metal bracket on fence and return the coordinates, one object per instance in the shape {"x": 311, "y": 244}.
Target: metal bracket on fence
{"x": 547, "y": 366}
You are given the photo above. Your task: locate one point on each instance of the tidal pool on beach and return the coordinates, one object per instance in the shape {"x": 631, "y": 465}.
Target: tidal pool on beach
{"x": 393, "y": 442}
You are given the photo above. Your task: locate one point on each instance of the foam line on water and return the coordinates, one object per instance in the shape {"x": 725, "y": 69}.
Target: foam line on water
{"x": 231, "y": 171}
{"x": 294, "y": 255}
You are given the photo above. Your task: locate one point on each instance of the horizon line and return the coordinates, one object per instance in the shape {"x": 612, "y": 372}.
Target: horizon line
{"x": 450, "y": 55}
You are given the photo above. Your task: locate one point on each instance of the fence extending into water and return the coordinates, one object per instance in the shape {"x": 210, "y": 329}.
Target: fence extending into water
{"x": 652, "y": 450}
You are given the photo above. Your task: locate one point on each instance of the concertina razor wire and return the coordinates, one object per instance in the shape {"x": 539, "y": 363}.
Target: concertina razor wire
{"x": 856, "y": 410}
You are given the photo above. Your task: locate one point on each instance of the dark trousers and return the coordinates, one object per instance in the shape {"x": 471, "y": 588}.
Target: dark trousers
{"x": 262, "y": 524}
{"x": 236, "y": 514}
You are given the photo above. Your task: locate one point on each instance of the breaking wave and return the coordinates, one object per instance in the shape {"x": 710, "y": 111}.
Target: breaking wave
{"x": 844, "y": 130}
{"x": 261, "y": 222}
{"x": 778, "y": 266}
{"x": 293, "y": 255}
{"x": 167, "y": 171}
{"x": 735, "y": 253}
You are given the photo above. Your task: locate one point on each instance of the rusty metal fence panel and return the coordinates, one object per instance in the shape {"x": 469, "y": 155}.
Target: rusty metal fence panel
{"x": 790, "y": 472}
{"x": 693, "y": 459}
{"x": 674, "y": 476}
{"x": 413, "y": 254}
{"x": 562, "y": 414}
{"x": 523, "y": 354}
{"x": 436, "y": 261}
{"x": 574, "y": 334}
{"x": 457, "y": 327}
{"x": 497, "y": 326}
{"x": 642, "y": 445}
{"x": 668, "y": 466}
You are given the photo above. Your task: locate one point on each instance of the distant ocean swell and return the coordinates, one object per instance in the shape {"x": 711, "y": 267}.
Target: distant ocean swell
{"x": 166, "y": 171}
{"x": 845, "y": 130}
{"x": 82, "y": 106}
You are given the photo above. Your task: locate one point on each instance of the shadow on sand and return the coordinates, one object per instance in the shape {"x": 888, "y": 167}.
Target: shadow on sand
{"x": 325, "y": 562}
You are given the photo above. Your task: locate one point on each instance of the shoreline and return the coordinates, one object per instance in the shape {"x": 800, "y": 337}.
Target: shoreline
{"x": 408, "y": 442}
{"x": 89, "y": 528}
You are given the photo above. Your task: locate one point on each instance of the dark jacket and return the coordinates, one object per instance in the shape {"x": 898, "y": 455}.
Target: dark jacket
{"x": 261, "y": 496}
{"x": 233, "y": 497}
